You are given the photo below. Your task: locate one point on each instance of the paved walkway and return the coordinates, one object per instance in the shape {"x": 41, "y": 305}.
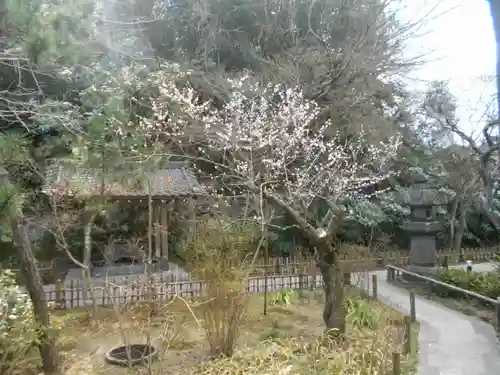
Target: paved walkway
{"x": 478, "y": 267}
{"x": 451, "y": 343}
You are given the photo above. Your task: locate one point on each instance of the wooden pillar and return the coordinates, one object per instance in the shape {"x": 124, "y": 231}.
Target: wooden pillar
{"x": 191, "y": 203}
{"x": 157, "y": 230}
{"x": 87, "y": 243}
{"x": 164, "y": 207}
{"x": 88, "y": 220}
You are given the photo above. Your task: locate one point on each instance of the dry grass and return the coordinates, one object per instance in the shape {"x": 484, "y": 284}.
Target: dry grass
{"x": 288, "y": 340}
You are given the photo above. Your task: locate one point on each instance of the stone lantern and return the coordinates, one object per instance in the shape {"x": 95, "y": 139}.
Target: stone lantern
{"x": 422, "y": 224}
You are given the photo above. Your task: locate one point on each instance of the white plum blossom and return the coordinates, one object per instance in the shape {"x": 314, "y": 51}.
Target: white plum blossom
{"x": 15, "y": 306}
{"x": 18, "y": 329}
{"x": 271, "y": 135}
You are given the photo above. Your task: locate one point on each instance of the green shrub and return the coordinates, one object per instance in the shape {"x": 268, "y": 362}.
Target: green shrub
{"x": 484, "y": 283}
{"x": 360, "y": 314}
{"x": 284, "y": 297}
{"x": 17, "y": 331}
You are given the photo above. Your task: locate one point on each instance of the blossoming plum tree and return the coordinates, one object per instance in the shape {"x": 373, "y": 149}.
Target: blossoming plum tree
{"x": 267, "y": 140}
{"x": 264, "y": 141}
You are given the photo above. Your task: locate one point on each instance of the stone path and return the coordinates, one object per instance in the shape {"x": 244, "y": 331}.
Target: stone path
{"x": 451, "y": 343}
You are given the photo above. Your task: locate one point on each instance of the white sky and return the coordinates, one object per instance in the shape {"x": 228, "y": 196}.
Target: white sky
{"x": 460, "y": 39}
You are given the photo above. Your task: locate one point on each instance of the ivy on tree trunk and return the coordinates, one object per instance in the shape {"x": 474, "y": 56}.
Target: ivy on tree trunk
{"x": 29, "y": 271}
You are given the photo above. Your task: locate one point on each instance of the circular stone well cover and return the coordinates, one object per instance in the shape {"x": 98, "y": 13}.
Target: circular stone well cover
{"x": 139, "y": 353}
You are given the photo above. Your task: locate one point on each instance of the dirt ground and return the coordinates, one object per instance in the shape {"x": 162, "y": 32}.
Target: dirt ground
{"x": 177, "y": 332}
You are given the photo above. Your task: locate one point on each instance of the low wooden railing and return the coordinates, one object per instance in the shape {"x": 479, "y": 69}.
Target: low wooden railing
{"x": 394, "y": 273}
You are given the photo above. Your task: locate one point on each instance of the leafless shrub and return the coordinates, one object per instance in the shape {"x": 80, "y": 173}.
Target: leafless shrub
{"x": 218, "y": 256}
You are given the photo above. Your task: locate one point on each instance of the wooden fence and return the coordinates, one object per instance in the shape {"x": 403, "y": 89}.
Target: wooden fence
{"x": 359, "y": 260}
{"x": 127, "y": 289}
{"x": 475, "y": 254}
{"x": 133, "y": 289}
{"x": 366, "y": 260}
{"x": 294, "y": 273}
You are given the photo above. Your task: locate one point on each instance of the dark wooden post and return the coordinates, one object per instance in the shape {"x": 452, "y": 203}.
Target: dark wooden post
{"x": 58, "y": 293}
{"x": 312, "y": 276}
{"x": 498, "y": 314}
{"x": 165, "y": 208}
{"x": 53, "y": 271}
{"x": 413, "y": 314}
{"x": 396, "y": 363}
{"x": 374, "y": 287}
{"x": 428, "y": 289}
{"x": 407, "y": 335}
{"x": 266, "y": 265}
{"x": 391, "y": 274}
{"x": 347, "y": 279}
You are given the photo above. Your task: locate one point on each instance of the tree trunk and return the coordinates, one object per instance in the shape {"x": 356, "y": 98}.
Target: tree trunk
{"x": 87, "y": 241}
{"x": 87, "y": 250}
{"x": 3, "y": 18}
{"x": 453, "y": 220}
{"x": 149, "y": 275}
{"x": 486, "y": 201}
{"x": 495, "y": 15}
{"x": 460, "y": 230}
{"x": 334, "y": 313}
{"x": 47, "y": 346}
{"x": 88, "y": 219}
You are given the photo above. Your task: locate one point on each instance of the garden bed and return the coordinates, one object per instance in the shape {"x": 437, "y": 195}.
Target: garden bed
{"x": 289, "y": 339}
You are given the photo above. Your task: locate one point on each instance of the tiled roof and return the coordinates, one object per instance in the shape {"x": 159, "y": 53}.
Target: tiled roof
{"x": 72, "y": 180}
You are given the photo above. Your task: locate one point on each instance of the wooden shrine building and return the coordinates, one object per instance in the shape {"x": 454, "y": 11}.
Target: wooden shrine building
{"x": 163, "y": 186}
